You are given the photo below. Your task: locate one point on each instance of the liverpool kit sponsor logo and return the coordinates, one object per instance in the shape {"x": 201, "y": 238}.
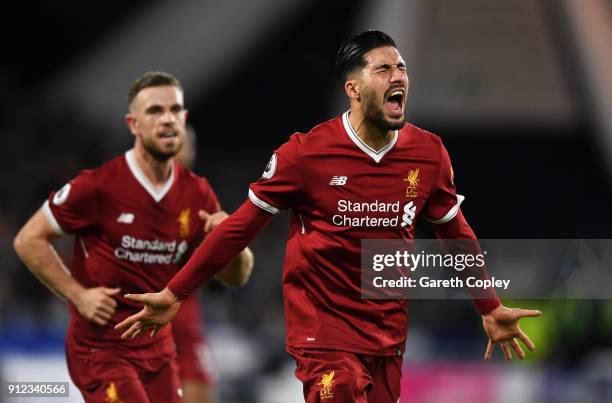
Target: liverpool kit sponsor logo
{"x": 409, "y": 213}
{"x": 151, "y": 251}
{"x": 373, "y": 214}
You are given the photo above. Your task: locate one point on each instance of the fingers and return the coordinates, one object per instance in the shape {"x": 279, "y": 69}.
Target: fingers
{"x": 526, "y": 313}
{"x": 208, "y": 225}
{"x": 154, "y": 332}
{"x": 137, "y": 328}
{"x": 517, "y": 349}
{"x": 104, "y": 311}
{"x": 98, "y": 307}
{"x": 213, "y": 220}
{"x": 203, "y": 215}
{"x": 99, "y": 320}
{"x": 106, "y": 316}
{"x": 144, "y": 298}
{"x": 104, "y": 306}
{"x": 110, "y": 291}
{"x": 505, "y": 347}
{"x": 132, "y": 332}
{"x": 489, "y": 353}
{"x": 136, "y": 333}
{"x": 107, "y": 296}
{"x": 525, "y": 339}
{"x": 130, "y": 320}
{"x": 109, "y": 303}
{"x": 506, "y": 350}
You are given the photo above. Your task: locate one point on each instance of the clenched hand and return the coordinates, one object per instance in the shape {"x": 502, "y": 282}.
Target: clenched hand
{"x": 97, "y": 304}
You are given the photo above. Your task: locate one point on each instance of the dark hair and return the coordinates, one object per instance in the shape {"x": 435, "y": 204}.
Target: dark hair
{"x": 152, "y": 79}
{"x": 350, "y": 54}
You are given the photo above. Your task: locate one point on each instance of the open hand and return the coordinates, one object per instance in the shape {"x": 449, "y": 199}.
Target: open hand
{"x": 502, "y": 327}
{"x": 159, "y": 309}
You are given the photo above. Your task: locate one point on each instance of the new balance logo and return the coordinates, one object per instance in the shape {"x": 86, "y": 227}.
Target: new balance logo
{"x": 338, "y": 181}
{"x": 126, "y": 218}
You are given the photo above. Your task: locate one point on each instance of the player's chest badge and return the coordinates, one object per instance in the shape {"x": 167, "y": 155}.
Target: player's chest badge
{"x": 412, "y": 187}
{"x": 183, "y": 219}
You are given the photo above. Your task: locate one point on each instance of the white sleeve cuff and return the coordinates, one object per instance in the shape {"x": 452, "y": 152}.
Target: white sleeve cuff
{"x": 51, "y": 218}
{"x": 262, "y": 204}
{"x": 452, "y": 213}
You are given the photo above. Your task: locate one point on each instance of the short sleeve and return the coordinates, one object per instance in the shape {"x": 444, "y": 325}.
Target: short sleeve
{"x": 73, "y": 207}
{"x": 443, "y": 203}
{"x": 281, "y": 182}
{"x": 211, "y": 203}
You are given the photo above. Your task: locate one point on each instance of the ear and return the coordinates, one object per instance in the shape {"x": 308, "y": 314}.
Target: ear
{"x": 352, "y": 89}
{"x": 186, "y": 115}
{"x": 130, "y": 121}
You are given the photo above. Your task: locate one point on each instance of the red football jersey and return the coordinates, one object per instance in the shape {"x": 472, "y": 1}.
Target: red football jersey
{"x": 340, "y": 191}
{"x": 128, "y": 235}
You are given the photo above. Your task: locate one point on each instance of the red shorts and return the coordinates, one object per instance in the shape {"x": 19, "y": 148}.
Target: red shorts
{"x": 194, "y": 357}
{"x": 338, "y": 376}
{"x": 104, "y": 376}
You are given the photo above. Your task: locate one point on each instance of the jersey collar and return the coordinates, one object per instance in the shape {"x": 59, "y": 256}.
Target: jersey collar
{"x": 375, "y": 155}
{"x": 144, "y": 181}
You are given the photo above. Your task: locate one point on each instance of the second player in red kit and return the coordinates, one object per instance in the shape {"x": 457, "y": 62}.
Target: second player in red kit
{"x": 136, "y": 220}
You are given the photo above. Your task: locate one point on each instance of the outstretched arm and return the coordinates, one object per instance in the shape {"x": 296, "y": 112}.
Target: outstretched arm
{"x": 458, "y": 228}
{"x": 225, "y": 242}
{"x": 500, "y": 323}
{"x": 34, "y": 248}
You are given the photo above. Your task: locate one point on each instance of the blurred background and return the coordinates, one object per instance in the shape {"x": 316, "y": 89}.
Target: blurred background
{"x": 520, "y": 92}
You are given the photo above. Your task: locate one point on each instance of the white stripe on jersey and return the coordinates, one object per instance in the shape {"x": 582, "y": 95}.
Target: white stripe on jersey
{"x": 451, "y": 213}
{"x": 262, "y": 204}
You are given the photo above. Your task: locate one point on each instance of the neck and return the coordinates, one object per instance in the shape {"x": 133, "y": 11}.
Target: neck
{"x": 374, "y": 136}
{"x": 155, "y": 170}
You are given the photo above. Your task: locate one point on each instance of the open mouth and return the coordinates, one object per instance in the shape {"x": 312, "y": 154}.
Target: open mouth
{"x": 395, "y": 103}
{"x": 168, "y": 134}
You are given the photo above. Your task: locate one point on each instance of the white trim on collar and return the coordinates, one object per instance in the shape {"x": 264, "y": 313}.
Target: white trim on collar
{"x": 375, "y": 155}
{"x": 144, "y": 181}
